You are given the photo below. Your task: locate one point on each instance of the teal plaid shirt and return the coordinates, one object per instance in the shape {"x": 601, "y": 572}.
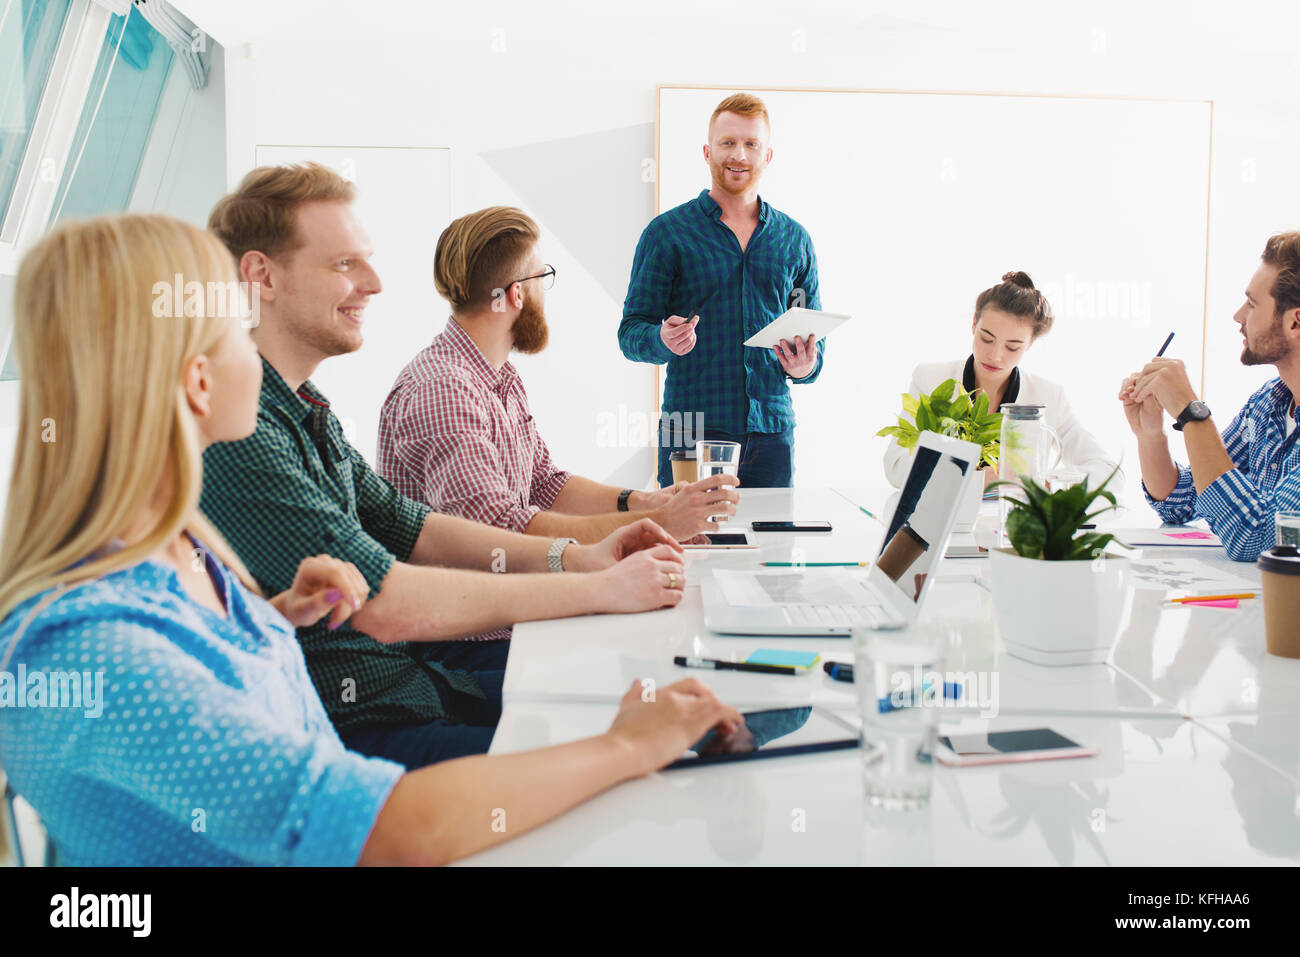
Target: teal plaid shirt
{"x": 297, "y": 488}
{"x": 689, "y": 261}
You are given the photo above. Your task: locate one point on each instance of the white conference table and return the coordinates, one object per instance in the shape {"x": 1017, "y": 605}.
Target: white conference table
{"x": 1199, "y": 732}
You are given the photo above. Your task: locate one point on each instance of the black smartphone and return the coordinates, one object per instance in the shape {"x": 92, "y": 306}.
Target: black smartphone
{"x": 791, "y": 526}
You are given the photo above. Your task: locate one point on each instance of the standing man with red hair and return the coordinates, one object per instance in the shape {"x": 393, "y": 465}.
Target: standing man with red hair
{"x": 707, "y": 275}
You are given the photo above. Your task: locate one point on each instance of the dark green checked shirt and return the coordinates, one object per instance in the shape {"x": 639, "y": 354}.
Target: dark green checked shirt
{"x": 297, "y": 488}
{"x": 689, "y": 261}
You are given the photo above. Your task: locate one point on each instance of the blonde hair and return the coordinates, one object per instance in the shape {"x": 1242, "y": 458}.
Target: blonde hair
{"x": 104, "y": 423}
{"x": 481, "y": 253}
{"x": 262, "y": 214}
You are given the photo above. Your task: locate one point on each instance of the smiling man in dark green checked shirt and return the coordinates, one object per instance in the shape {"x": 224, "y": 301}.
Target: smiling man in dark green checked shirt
{"x": 706, "y": 276}
{"x": 391, "y": 681}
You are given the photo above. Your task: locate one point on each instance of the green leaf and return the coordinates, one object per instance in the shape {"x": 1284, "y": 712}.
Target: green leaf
{"x": 944, "y": 391}
{"x": 925, "y": 421}
{"x": 1027, "y": 533}
{"x": 910, "y": 403}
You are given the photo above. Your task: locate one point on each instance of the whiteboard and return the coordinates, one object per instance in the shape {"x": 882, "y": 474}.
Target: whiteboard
{"x": 917, "y": 201}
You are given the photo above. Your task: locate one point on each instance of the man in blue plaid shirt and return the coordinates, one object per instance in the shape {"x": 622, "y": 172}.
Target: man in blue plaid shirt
{"x": 707, "y": 275}
{"x": 1238, "y": 481}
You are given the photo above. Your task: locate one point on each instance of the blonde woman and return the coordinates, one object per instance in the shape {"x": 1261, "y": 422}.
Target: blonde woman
{"x": 199, "y": 738}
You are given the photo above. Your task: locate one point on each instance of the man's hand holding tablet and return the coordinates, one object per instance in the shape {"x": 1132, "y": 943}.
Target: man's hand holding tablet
{"x": 797, "y": 361}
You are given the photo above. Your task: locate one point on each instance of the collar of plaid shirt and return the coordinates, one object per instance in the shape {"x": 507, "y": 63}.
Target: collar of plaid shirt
{"x": 307, "y": 406}
{"x": 714, "y": 211}
{"x": 460, "y": 342}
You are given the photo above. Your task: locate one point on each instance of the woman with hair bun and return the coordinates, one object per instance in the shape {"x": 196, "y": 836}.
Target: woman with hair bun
{"x": 1009, "y": 318}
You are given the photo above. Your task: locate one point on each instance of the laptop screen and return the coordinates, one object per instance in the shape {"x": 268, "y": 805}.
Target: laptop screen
{"x": 915, "y": 541}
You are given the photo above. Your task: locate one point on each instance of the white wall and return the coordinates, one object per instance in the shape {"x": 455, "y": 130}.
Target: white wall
{"x": 545, "y": 105}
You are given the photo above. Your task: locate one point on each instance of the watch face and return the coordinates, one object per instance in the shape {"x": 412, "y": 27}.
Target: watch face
{"x": 1199, "y": 410}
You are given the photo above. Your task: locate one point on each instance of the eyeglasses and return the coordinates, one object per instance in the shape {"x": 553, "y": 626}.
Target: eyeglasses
{"x": 547, "y": 277}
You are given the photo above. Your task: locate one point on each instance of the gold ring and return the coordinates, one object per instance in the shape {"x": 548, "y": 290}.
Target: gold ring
{"x": 672, "y": 580}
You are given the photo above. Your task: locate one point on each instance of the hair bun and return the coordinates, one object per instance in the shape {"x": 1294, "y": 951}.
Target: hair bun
{"x": 1021, "y": 279}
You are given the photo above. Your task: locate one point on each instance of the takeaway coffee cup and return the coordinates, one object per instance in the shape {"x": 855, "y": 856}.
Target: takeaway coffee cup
{"x": 1280, "y": 571}
{"x": 683, "y": 462}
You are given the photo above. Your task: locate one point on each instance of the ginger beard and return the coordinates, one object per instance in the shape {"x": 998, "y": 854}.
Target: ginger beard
{"x": 529, "y": 329}
{"x": 724, "y": 181}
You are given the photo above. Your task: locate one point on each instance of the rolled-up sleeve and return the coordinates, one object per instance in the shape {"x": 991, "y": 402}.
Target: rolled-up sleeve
{"x": 387, "y": 515}
{"x": 1182, "y": 505}
{"x": 1179, "y": 507}
{"x": 1243, "y": 515}
{"x": 548, "y": 481}
{"x": 190, "y": 755}
{"x": 274, "y": 515}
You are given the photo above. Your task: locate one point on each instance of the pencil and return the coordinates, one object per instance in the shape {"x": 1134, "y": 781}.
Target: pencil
{"x": 1168, "y": 339}
{"x": 1196, "y": 598}
{"x": 816, "y": 564}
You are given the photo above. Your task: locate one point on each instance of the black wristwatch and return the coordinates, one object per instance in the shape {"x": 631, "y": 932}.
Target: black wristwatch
{"x": 623, "y": 496}
{"x": 1196, "y": 411}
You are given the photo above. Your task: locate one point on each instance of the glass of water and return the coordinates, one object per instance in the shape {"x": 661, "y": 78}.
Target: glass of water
{"x": 900, "y": 685}
{"x": 1063, "y": 477}
{"x": 717, "y": 458}
{"x": 1288, "y": 528}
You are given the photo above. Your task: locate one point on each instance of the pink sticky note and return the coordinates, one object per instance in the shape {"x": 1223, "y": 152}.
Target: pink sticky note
{"x": 1214, "y": 603}
{"x": 1201, "y": 535}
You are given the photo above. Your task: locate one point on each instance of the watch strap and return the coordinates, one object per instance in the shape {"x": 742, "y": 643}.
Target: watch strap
{"x": 1187, "y": 415}
{"x": 554, "y": 555}
{"x": 623, "y": 496}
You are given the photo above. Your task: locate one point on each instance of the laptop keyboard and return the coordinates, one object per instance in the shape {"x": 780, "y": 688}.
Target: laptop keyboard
{"x": 835, "y": 616}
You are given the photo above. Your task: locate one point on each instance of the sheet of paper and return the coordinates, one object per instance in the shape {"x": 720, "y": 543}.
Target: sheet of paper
{"x": 1185, "y": 575}
{"x": 1175, "y": 536}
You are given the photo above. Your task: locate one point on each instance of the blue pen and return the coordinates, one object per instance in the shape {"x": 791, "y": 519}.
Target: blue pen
{"x": 844, "y": 672}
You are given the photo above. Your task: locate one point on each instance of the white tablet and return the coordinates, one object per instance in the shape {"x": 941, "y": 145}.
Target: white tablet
{"x": 793, "y": 323}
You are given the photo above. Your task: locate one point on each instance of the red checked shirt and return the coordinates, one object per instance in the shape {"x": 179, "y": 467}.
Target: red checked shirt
{"x": 457, "y": 434}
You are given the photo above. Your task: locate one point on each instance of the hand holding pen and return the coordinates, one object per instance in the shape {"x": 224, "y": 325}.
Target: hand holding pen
{"x": 678, "y": 333}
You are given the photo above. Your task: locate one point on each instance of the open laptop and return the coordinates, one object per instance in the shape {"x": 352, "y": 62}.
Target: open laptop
{"x": 833, "y": 601}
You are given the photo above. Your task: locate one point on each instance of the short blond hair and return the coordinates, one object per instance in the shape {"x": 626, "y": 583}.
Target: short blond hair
{"x": 481, "y": 253}
{"x": 742, "y": 104}
{"x": 262, "y": 214}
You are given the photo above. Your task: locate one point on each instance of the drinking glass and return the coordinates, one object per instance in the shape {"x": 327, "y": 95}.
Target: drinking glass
{"x": 1288, "y": 528}
{"x": 900, "y": 685}
{"x": 717, "y": 458}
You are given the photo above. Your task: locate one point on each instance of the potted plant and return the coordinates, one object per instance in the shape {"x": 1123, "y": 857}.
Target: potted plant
{"x": 1058, "y": 597}
{"x": 951, "y": 410}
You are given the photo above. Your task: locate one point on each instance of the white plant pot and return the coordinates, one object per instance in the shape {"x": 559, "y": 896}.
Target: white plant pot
{"x": 969, "y": 512}
{"x": 1058, "y": 613}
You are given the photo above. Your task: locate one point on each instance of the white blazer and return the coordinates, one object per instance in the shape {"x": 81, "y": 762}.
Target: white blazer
{"x": 1079, "y": 448}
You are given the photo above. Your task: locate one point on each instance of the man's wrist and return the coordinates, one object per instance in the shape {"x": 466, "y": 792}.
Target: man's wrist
{"x": 560, "y": 556}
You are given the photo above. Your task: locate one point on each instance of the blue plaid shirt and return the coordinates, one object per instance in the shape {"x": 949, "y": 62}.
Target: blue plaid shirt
{"x": 689, "y": 261}
{"x": 1240, "y": 504}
